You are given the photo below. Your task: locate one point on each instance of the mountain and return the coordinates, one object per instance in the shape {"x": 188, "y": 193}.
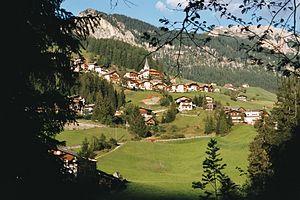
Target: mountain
{"x": 120, "y": 27}
{"x": 219, "y": 59}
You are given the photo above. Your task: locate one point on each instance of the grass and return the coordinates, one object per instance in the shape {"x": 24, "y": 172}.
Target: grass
{"x": 136, "y": 98}
{"x": 75, "y": 137}
{"x": 189, "y": 123}
{"x": 165, "y": 170}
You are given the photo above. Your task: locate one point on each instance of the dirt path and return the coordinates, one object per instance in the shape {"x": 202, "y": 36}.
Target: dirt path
{"x": 82, "y": 125}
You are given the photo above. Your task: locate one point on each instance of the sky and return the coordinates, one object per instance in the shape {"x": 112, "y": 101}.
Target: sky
{"x": 151, "y": 10}
{"x": 146, "y": 10}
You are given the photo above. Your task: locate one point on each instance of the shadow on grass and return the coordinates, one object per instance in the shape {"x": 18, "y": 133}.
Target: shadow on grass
{"x": 142, "y": 191}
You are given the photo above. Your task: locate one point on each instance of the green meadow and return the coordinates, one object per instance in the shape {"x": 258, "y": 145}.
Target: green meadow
{"x": 75, "y": 137}
{"x": 165, "y": 170}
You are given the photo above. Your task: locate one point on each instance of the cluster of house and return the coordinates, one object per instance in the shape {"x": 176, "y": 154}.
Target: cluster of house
{"x": 145, "y": 79}
{"x": 230, "y": 86}
{"x": 241, "y": 115}
{"x": 110, "y": 75}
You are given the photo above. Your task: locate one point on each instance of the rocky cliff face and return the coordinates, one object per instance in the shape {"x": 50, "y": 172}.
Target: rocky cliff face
{"x": 108, "y": 30}
{"x": 277, "y": 39}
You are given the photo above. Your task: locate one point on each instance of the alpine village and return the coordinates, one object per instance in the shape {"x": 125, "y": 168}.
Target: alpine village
{"x": 169, "y": 123}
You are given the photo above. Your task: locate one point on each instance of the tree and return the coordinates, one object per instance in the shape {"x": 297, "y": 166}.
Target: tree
{"x": 170, "y": 115}
{"x": 272, "y": 171}
{"x": 213, "y": 175}
{"x": 103, "y": 111}
{"x": 87, "y": 150}
{"x": 209, "y": 125}
{"x": 136, "y": 122}
{"x": 223, "y": 122}
{"x": 36, "y": 87}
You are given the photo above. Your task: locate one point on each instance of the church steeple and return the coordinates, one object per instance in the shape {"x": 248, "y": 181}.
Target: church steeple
{"x": 146, "y": 66}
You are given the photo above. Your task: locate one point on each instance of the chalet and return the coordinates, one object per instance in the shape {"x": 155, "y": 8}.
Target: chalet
{"x": 236, "y": 116}
{"x": 112, "y": 76}
{"x": 241, "y": 98}
{"x": 160, "y": 86}
{"x": 229, "y": 86}
{"x": 148, "y": 85}
{"x": 132, "y": 84}
{"x": 180, "y": 88}
{"x": 156, "y": 81}
{"x": 209, "y": 103}
{"x": 229, "y": 108}
{"x": 206, "y": 88}
{"x": 192, "y": 87}
{"x": 251, "y": 116}
{"x": 131, "y": 75}
{"x": 184, "y": 103}
{"x": 182, "y": 98}
{"x": 172, "y": 88}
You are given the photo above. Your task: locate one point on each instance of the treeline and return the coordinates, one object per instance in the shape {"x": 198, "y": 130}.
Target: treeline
{"x": 221, "y": 76}
{"x": 101, "y": 93}
{"x": 112, "y": 52}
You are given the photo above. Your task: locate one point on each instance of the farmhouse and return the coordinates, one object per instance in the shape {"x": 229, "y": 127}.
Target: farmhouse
{"x": 209, "y": 103}
{"x": 192, "y": 87}
{"x": 180, "y": 88}
{"x": 184, "y": 103}
{"x": 229, "y": 86}
{"x": 131, "y": 75}
{"x": 160, "y": 86}
{"x": 112, "y": 76}
{"x": 251, "y": 116}
{"x": 207, "y": 88}
{"x": 236, "y": 116}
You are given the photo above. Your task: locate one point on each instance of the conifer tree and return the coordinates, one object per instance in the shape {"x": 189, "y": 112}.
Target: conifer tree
{"x": 209, "y": 125}
{"x": 87, "y": 149}
{"x": 137, "y": 124}
{"x": 213, "y": 175}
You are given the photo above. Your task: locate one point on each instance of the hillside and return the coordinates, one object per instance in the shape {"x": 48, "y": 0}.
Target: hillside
{"x": 219, "y": 66}
{"x": 165, "y": 170}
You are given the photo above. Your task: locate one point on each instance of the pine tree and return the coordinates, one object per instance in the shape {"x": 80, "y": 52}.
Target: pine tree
{"x": 209, "y": 125}
{"x": 213, "y": 175}
{"x": 137, "y": 124}
{"x": 103, "y": 111}
{"x": 223, "y": 123}
{"x": 272, "y": 168}
{"x": 87, "y": 150}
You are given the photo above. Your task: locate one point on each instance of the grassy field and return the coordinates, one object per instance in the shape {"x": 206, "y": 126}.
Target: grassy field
{"x": 189, "y": 123}
{"x": 75, "y": 137}
{"x": 165, "y": 170}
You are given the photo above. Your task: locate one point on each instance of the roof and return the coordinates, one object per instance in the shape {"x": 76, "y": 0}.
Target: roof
{"x": 183, "y": 97}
